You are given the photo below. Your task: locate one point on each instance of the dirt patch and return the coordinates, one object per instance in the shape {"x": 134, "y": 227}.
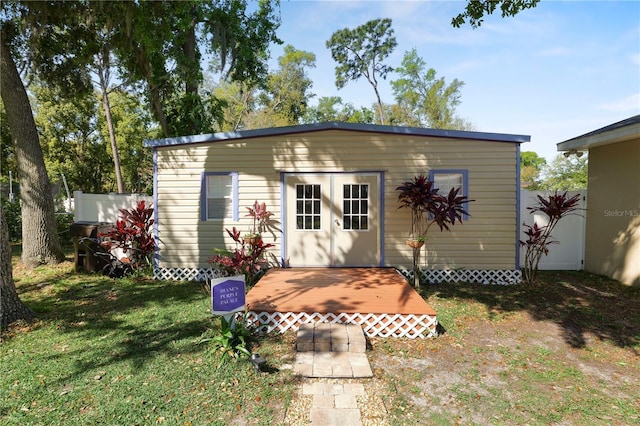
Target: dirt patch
{"x": 500, "y": 364}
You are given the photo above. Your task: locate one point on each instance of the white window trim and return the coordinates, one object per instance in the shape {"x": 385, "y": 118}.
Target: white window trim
{"x": 234, "y": 195}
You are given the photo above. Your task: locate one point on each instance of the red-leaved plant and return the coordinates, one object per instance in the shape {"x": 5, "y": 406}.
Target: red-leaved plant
{"x": 428, "y": 207}
{"x": 260, "y": 216}
{"x": 133, "y": 234}
{"x": 555, "y": 206}
{"x": 247, "y": 258}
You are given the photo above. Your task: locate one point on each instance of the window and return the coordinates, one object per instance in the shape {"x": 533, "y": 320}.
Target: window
{"x": 219, "y": 196}
{"x": 444, "y": 180}
{"x": 355, "y": 208}
{"x": 308, "y": 205}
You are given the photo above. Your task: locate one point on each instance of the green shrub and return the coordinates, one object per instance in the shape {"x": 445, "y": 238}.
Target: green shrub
{"x": 13, "y": 215}
{"x": 234, "y": 339}
{"x": 63, "y": 222}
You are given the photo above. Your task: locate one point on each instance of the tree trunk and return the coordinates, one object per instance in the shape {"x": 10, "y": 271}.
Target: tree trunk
{"x": 112, "y": 138}
{"x": 40, "y": 242}
{"x": 102, "y": 65}
{"x": 192, "y": 71}
{"x": 11, "y": 307}
{"x": 380, "y": 106}
{"x": 191, "y": 76}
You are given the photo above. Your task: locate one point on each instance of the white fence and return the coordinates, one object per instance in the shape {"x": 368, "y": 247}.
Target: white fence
{"x": 104, "y": 207}
{"x": 568, "y": 254}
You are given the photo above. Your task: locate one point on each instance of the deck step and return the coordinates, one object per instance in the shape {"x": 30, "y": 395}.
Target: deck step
{"x": 326, "y": 337}
{"x": 331, "y": 350}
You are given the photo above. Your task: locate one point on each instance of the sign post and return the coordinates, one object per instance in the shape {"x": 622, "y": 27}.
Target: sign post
{"x": 228, "y": 296}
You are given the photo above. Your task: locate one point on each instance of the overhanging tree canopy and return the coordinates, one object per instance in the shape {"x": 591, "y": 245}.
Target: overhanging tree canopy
{"x": 476, "y": 10}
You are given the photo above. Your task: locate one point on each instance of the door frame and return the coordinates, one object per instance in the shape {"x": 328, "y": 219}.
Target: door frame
{"x": 378, "y": 174}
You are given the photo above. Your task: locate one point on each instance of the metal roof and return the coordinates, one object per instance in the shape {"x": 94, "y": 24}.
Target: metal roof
{"x": 617, "y": 132}
{"x": 334, "y": 125}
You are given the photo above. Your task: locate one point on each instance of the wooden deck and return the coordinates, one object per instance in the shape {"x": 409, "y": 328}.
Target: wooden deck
{"x": 376, "y": 298}
{"x": 336, "y": 290}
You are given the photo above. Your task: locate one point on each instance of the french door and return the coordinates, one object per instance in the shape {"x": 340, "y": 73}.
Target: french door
{"x": 332, "y": 219}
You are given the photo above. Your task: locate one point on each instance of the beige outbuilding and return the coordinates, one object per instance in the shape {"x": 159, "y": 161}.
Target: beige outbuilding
{"x": 612, "y": 240}
{"x": 332, "y": 190}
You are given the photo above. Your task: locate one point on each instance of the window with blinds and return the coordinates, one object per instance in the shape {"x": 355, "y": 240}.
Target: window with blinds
{"x": 218, "y": 197}
{"x": 445, "y": 180}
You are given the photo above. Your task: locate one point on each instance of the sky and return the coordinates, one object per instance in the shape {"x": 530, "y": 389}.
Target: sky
{"x": 554, "y": 72}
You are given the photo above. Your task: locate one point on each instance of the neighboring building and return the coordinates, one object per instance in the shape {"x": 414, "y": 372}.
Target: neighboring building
{"x": 332, "y": 189}
{"x": 612, "y": 244}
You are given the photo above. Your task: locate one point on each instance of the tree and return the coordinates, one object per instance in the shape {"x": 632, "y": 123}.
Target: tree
{"x": 531, "y": 167}
{"x": 157, "y": 44}
{"x": 281, "y": 101}
{"x": 475, "y": 10}
{"x": 70, "y": 141}
{"x": 40, "y": 239}
{"x": 75, "y": 139}
{"x": 360, "y": 52}
{"x": 7, "y": 157}
{"x": 288, "y": 89}
{"x": 424, "y": 99}
{"x": 566, "y": 173}
{"x": 132, "y": 125}
{"x": 11, "y": 307}
{"x": 103, "y": 70}
{"x": 332, "y": 108}
{"x": 239, "y": 100}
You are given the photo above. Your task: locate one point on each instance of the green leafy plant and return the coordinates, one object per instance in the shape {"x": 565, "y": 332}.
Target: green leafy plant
{"x": 233, "y": 341}
{"x": 428, "y": 207}
{"x": 13, "y": 215}
{"x": 63, "y": 222}
{"x": 555, "y": 206}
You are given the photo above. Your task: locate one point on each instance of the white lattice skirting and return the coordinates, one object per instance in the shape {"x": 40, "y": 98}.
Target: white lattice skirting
{"x": 185, "y": 274}
{"x": 374, "y": 325}
{"x": 438, "y": 276}
{"x": 432, "y": 276}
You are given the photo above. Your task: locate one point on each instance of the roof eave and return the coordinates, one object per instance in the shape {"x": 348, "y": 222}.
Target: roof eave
{"x": 315, "y": 127}
{"x": 603, "y": 137}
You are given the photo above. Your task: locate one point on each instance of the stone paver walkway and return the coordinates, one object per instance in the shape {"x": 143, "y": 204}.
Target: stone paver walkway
{"x": 333, "y": 351}
{"x": 334, "y": 403}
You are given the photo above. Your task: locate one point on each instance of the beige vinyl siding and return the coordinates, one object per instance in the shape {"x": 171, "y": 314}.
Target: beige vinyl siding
{"x": 486, "y": 241}
{"x": 612, "y": 243}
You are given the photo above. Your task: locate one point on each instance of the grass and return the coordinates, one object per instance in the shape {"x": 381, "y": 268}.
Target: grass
{"x": 127, "y": 351}
{"x": 564, "y": 351}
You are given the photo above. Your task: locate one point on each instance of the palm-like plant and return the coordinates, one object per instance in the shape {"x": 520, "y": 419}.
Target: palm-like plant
{"x": 555, "y": 206}
{"x": 428, "y": 207}
{"x": 260, "y": 216}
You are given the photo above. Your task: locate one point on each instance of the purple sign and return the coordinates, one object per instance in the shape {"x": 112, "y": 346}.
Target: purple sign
{"x": 227, "y": 295}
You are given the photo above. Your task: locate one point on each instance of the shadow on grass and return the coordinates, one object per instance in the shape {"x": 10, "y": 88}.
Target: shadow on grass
{"x": 579, "y": 302}
{"x": 130, "y": 320}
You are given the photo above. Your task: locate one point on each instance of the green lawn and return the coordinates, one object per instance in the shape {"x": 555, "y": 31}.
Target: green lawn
{"x": 127, "y": 352}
